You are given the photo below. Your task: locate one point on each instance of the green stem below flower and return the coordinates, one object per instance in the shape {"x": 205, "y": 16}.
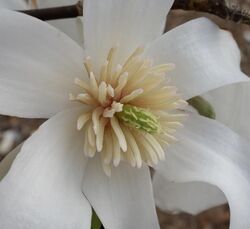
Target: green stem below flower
{"x": 95, "y": 221}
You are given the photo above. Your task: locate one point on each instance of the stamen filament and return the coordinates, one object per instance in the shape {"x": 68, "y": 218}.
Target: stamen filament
{"x": 119, "y": 134}
{"x": 96, "y": 118}
{"x": 163, "y": 68}
{"x": 121, "y": 84}
{"x": 103, "y": 74}
{"x": 100, "y": 134}
{"x": 137, "y": 52}
{"x": 110, "y": 60}
{"x": 131, "y": 96}
{"x": 93, "y": 85}
{"x": 108, "y": 153}
{"x": 88, "y": 65}
{"x": 135, "y": 149}
{"x": 116, "y": 150}
{"x": 102, "y": 95}
{"x": 82, "y": 120}
{"x": 86, "y": 99}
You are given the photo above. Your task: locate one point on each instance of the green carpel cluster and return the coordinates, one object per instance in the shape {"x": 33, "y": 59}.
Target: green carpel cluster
{"x": 139, "y": 118}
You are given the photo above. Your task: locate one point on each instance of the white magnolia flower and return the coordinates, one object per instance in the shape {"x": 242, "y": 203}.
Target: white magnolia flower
{"x": 71, "y": 26}
{"x": 60, "y": 170}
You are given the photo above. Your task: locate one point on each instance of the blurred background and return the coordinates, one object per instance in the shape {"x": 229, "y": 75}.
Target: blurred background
{"x": 14, "y": 130}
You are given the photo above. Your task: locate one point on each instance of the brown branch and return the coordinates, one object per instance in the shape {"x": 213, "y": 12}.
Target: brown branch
{"x": 215, "y": 7}
{"x": 46, "y": 14}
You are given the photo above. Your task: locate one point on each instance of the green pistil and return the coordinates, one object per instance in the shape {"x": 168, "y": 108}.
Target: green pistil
{"x": 139, "y": 118}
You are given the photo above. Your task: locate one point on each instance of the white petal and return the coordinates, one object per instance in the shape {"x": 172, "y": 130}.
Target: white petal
{"x": 232, "y": 107}
{"x": 6, "y": 163}
{"x": 122, "y": 201}
{"x": 71, "y": 26}
{"x": 191, "y": 197}
{"x": 13, "y": 4}
{"x": 205, "y": 57}
{"x": 210, "y": 152}
{"x": 43, "y": 187}
{"x": 130, "y": 23}
{"x": 38, "y": 65}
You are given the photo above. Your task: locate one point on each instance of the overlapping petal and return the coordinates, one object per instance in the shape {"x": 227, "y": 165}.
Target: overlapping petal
{"x": 191, "y": 197}
{"x": 71, "y": 26}
{"x": 232, "y": 107}
{"x": 130, "y": 23}
{"x": 205, "y": 56}
{"x": 210, "y": 152}
{"x": 8, "y": 160}
{"x": 38, "y": 65}
{"x": 43, "y": 186}
{"x": 124, "y": 200}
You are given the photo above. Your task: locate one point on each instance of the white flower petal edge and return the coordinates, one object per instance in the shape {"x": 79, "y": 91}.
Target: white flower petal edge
{"x": 205, "y": 56}
{"x": 232, "y": 107}
{"x": 210, "y": 152}
{"x": 73, "y": 27}
{"x": 38, "y": 64}
{"x": 191, "y": 197}
{"x": 43, "y": 186}
{"x": 6, "y": 163}
{"x": 132, "y": 23}
{"x": 124, "y": 200}
{"x": 13, "y": 4}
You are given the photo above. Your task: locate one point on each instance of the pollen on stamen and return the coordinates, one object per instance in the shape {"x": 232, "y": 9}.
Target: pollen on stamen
{"x": 132, "y": 112}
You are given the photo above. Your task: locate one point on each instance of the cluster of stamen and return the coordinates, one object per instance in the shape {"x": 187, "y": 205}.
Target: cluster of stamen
{"x": 132, "y": 112}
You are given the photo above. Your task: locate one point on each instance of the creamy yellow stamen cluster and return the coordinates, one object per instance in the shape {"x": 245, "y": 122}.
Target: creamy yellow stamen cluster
{"x": 133, "y": 112}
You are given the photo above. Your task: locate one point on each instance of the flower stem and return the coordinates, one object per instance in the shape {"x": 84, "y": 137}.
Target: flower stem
{"x": 229, "y": 11}
{"x": 46, "y": 14}
{"x": 95, "y": 221}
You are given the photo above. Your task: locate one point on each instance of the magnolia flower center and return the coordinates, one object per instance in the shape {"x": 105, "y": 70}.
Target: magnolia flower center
{"x": 132, "y": 112}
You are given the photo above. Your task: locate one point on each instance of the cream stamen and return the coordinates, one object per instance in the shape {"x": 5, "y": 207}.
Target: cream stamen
{"x": 102, "y": 93}
{"x": 131, "y": 96}
{"x": 119, "y": 134}
{"x": 96, "y": 118}
{"x": 93, "y": 85}
{"x": 82, "y": 120}
{"x": 121, "y": 84}
{"x": 110, "y": 91}
{"x": 100, "y": 134}
{"x": 116, "y": 150}
{"x": 88, "y": 65}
